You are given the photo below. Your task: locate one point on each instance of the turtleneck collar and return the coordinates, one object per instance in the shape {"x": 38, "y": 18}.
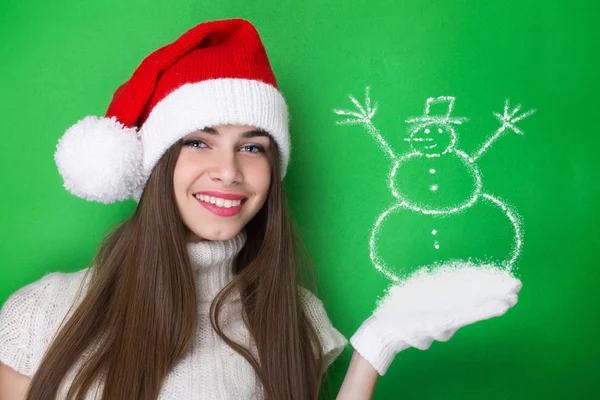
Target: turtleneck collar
{"x": 212, "y": 263}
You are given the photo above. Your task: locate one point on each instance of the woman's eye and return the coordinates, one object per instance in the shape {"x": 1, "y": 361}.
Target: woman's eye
{"x": 259, "y": 149}
{"x": 200, "y": 144}
{"x": 193, "y": 143}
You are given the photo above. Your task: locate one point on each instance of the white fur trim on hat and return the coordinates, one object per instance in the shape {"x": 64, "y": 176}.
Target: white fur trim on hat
{"x": 194, "y": 106}
{"x": 100, "y": 159}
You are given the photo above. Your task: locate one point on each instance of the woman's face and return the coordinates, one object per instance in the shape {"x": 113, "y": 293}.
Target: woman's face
{"x": 216, "y": 163}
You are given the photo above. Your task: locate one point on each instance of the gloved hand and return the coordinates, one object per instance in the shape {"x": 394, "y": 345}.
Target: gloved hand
{"x": 433, "y": 305}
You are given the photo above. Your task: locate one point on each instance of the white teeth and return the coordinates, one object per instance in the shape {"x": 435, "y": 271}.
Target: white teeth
{"x": 219, "y": 202}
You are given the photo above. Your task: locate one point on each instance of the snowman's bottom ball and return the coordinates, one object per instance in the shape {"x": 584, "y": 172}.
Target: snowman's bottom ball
{"x": 407, "y": 240}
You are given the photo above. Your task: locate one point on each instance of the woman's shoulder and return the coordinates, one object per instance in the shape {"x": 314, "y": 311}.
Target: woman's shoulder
{"x": 30, "y": 315}
{"x": 313, "y": 306}
{"x": 27, "y": 299}
{"x": 46, "y": 283}
{"x": 52, "y": 286}
{"x": 332, "y": 341}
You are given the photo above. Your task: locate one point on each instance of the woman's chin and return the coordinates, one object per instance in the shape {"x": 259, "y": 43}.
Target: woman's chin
{"x": 221, "y": 234}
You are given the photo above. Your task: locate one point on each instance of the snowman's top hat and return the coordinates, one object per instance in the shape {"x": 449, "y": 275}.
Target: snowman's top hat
{"x": 445, "y": 104}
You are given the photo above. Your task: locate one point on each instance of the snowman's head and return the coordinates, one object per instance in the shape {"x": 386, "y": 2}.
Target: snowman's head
{"x": 432, "y": 138}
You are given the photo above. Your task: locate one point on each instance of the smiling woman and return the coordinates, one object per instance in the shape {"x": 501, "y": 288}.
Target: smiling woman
{"x": 214, "y": 170}
{"x": 199, "y": 293}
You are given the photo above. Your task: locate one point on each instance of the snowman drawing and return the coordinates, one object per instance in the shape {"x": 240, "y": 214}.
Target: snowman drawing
{"x": 423, "y": 181}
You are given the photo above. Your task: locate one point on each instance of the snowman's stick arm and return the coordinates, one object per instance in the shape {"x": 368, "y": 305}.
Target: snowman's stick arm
{"x": 380, "y": 140}
{"x": 508, "y": 120}
{"x": 359, "y": 119}
{"x": 484, "y": 147}
{"x": 363, "y": 116}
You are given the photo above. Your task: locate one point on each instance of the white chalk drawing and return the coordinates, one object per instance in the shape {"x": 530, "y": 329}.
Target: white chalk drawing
{"x": 432, "y": 136}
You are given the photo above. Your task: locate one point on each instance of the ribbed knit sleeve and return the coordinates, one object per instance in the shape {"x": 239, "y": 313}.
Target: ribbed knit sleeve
{"x": 332, "y": 341}
{"x": 22, "y": 323}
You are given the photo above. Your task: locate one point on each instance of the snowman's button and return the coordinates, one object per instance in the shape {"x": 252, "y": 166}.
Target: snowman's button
{"x": 432, "y": 171}
{"x": 434, "y": 188}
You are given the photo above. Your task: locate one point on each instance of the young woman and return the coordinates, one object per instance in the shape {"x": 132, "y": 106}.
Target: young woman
{"x": 199, "y": 294}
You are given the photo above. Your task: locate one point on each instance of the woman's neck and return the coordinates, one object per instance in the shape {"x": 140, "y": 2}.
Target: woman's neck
{"x": 212, "y": 262}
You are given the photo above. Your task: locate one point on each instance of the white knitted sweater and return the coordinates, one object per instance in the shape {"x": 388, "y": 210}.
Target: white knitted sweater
{"x": 210, "y": 369}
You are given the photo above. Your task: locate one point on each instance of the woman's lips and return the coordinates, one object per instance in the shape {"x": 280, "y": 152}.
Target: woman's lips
{"x": 221, "y": 211}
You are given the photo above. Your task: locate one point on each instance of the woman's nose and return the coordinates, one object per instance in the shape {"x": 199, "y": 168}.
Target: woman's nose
{"x": 226, "y": 169}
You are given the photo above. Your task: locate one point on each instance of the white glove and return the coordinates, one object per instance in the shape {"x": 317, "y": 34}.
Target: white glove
{"x": 433, "y": 305}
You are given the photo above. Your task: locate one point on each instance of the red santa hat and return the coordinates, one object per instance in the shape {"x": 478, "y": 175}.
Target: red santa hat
{"x": 215, "y": 73}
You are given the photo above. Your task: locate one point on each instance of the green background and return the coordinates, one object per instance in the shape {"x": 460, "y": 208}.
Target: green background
{"x": 62, "y": 60}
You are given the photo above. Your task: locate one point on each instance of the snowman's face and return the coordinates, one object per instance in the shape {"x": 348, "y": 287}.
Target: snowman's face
{"x": 433, "y": 139}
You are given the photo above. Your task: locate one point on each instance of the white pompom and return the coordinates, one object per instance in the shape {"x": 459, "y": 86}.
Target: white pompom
{"x": 100, "y": 160}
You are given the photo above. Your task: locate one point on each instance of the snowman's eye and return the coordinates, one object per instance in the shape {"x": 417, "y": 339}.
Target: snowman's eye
{"x": 427, "y": 131}
{"x": 440, "y": 130}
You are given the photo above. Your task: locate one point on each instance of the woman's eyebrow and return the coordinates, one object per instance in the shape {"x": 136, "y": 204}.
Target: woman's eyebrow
{"x": 248, "y": 134}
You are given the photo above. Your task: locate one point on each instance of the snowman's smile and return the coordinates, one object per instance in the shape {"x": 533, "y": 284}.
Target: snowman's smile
{"x": 417, "y": 139}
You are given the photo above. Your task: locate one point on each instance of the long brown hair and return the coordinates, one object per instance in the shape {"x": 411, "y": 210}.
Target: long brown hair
{"x": 138, "y": 315}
